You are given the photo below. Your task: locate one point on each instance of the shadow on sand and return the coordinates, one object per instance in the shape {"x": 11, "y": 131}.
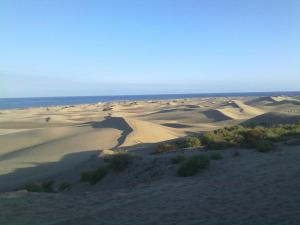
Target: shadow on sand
{"x": 112, "y": 122}
{"x": 71, "y": 165}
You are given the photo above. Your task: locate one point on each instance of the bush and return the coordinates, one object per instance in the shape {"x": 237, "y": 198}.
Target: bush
{"x": 177, "y": 159}
{"x": 47, "y": 119}
{"x": 264, "y": 146}
{"x": 164, "y": 147}
{"x": 236, "y": 154}
{"x": 253, "y": 135}
{"x": 46, "y": 186}
{"x": 94, "y": 176}
{"x": 192, "y": 142}
{"x": 193, "y": 165}
{"x": 216, "y": 156}
{"x": 119, "y": 161}
{"x": 214, "y": 140}
{"x": 64, "y": 186}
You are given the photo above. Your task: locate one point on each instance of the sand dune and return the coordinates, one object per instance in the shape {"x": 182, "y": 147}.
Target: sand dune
{"x": 274, "y": 118}
{"x": 239, "y": 111}
{"x": 216, "y": 115}
{"x": 27, "y": 140}
{"x": 147, "y": 132}
{"x": 273, "y": 100}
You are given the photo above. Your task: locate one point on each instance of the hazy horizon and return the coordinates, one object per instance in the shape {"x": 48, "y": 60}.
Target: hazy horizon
{"x": 95, "y": 48}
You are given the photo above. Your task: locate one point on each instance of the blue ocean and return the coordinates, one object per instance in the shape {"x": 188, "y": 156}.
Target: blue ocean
{"x": 20, "y": 103}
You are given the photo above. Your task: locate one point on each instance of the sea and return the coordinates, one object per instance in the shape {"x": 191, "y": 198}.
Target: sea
{"x": 21, "y": 103}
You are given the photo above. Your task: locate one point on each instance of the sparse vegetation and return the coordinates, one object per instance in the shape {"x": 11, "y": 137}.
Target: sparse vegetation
{"x": 45, "y": 186}
{"x": 247, "y": 137}
{"x": 216, "y": 156}
{"x": 93, "y": 176}
{"x": 164, "y": 147}
{"x": 64, "y": 186}
{"x": 119, "y": 161}
{"x": 264, "y": 146}
{"x": 193, "y": 165}
{"x": 236, "y": 154}
{"x": 177, "y": 159}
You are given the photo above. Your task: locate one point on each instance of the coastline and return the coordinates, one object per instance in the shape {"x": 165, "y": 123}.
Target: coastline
{"x": 37, "y": 102}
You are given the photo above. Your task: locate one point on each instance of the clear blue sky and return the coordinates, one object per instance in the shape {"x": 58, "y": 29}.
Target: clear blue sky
{"x": 64, "y": 48}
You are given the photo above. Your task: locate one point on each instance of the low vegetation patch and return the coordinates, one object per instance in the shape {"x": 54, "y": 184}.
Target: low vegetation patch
{"x": 164, "y": 147}
{"x": 64, "y": 186}
{"x": 216, "y": 156}
{"x": 177, "y": 159}
{"x": 116, "y": 162}
{"x": 119, "y": 161}
{"x": 193, "y": 165}
{"x": 45, "y": 186}
{"x": 248, "y": 137}
{"x": 94, "y": 176}
{"x": 264, "y": 146}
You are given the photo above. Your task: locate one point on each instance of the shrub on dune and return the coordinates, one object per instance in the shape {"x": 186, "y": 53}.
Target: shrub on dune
{"x": 264, "y": 146}
{"x": 216, "y": 156}
{"x": 94, "y": 176}
{"x": 120, "y": 161}
{"x": 46, "y": 186}
{"x": 192, "y": 142}
{"x": 193, "y": 165}
{"x": 164, "y": 147}
{"x": 177, "y": 159}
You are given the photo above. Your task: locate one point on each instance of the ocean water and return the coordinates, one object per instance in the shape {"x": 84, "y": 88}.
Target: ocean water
{"x": 20, "y": 103}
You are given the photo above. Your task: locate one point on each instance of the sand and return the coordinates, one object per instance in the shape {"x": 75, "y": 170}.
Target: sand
{"x": 76, "y": 137}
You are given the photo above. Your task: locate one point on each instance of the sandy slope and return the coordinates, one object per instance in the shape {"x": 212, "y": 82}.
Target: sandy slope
{"x": 254, "y": 188}
{"x": 147, "y": 132}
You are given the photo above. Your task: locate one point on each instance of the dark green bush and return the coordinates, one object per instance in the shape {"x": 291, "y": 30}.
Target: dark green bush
{"x": 164, "y": 147}
{"x": 177, "y": 159}
{"x": 94, "y": 176}
{"x": 45, "y": 186}
{"x": 236, "y": 154}
{"x": 193, "y": 165}
{"x": 264, "y": 146}
{"x": 216, "y": 156}
{"x": 64, "y": 186}
{"x": 248, "y": 137}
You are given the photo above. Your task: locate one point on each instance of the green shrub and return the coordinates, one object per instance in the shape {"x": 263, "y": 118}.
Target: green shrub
{"x": 192, "y": 142}
{"x": 164, "y": 147}
{"x": 47, "y": 119}
{"x": 236, "y": 154}
{"x": 46, "y": 186}
{"x": 94, "y": 176}
{"x": 216, "y": 140}
{"x": 177, "y": 159}
{"x": 193, "y": 165}
{"x": 253, "y": 135}
{"x": 120, "y": 161}
{"x": 64, "y": 186}
{"x": 265, "y": 146}
{"x": 216, "y": 156}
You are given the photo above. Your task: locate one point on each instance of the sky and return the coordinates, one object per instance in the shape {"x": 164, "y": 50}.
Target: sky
{"x": 120, "y": 47}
